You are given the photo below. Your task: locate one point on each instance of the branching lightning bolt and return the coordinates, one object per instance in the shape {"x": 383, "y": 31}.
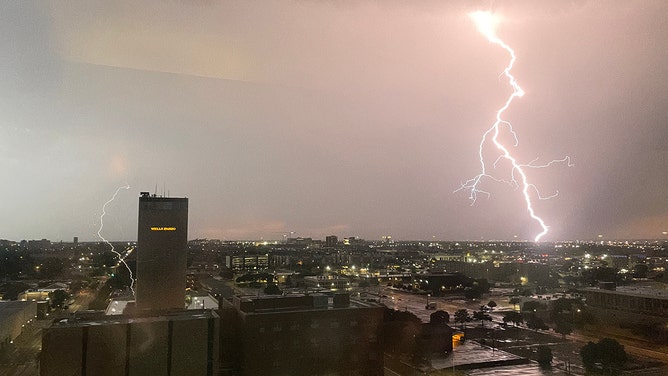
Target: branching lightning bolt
{"x": 121, "y": 258}
{"x": 486, "y": 23}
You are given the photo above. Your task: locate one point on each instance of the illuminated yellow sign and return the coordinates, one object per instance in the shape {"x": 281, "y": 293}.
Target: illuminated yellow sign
{"x": 163, "y": 228}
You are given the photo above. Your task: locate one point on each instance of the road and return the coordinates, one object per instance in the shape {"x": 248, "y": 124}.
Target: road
{"x": 82, "y": 300}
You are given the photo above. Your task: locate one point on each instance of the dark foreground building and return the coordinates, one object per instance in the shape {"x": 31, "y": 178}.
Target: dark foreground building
{"x": 162, "y": 240}
{"x": 181, "y": 343}
{"x": 301, "y": 335}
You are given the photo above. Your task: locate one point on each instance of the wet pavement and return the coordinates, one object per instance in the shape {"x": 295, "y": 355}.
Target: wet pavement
{"x": 473, "y": 355}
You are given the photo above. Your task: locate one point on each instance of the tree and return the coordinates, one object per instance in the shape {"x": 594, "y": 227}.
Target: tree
{"x": 607, "y": 352}
{"x": 51, "y": 268}
{"x": 462, "y": 316}
{"x": 532, "y": 306}
{"x": 514, "y": 317}
{"x": 611, "y": 353}
{"x": 272, "y": 289}
{"x": 439, "y": 317}
{"x": 544, "y": 356}
{"x": 563, "y": 326}
{"x": 472, "y": 293}
{"x": 58, "y": 298}
{"x": 536, "y": 323}
{"x": 482, "y": 316}
{"x": 515, "y": 301}
{"x": 491, "y": 304}
{"x": 589, "y": 355}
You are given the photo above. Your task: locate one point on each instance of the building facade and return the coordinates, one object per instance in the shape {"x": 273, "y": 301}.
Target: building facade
{"x": 162, "y": 239}
{"x": 301, "y": 335}
{"x": 183, "y": 343}
{"x": 628, "y": 304}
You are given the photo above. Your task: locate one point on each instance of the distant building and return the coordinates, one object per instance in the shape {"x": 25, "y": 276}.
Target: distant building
{"x": 330, "y": 282}
{"x": 628, "y": 304}
{"x": 301, "y": 335}
{"x": 162, "y": 239}
{"x": 247, "y": 262}
{"x": 331, "y": 241}
{"x": 178, "y": 343}
{"x": 38, "y": 245}
{"x": 440, "y": 283}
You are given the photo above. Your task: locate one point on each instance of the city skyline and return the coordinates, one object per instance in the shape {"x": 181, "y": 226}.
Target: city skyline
{"x": 314, "y": 119}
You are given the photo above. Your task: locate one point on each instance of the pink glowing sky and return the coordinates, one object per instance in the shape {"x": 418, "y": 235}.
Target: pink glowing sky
{"x": 318, "y": 118}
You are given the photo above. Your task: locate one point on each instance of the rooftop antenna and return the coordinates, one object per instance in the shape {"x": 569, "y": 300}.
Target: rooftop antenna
{"x": 155, "y": 192}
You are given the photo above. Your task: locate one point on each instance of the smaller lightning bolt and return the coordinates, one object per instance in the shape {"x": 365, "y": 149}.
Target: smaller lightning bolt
{"x": 121, "y": 258}
{"x": 486, "y": 23}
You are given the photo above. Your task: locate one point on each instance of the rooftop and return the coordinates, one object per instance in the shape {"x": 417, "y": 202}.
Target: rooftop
{"x": 640, "y": 291}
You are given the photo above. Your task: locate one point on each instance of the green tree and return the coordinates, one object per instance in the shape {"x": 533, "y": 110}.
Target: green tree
{"x": 611, "y": 353}
{"x": 589, "y": 355}
{"x": 514, "y": 317}
{"x": 472, "y": 293}
{"x": 462, "y": 317}
{"x": 536, "y": 323}
{"x": 491, "y": 304}
{"x": 515, "y": 301}
{"x": 482, "y": 317}
{"x": 58, "y": 298}
{"x": 52, "y": 267}
{"x": 532, "y": 306}
{"x": 439, "y": 317}
{"x": 607, "y": 352}
{"x": 272, "y": 289}
{"x": 563, "y": 326}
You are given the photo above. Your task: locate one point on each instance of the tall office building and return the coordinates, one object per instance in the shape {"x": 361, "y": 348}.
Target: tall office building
{"x": 162, "y": 240}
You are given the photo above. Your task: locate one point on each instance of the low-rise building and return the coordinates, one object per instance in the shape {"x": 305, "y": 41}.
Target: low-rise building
{"x": 301, "y": 335}
{"x": 630, "y": 304}
{"x": 176, "y": 343}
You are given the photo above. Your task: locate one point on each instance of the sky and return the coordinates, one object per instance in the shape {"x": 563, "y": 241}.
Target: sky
{"x": 316, "y": 118}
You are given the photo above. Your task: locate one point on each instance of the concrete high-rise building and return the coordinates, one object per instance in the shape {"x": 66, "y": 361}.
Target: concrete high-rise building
{"x": 162, "y": 240}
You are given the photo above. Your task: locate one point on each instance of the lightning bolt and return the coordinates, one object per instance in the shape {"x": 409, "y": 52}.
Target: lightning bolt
{"x": 486, "y": 23}
{"x": 121, "y": 258}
